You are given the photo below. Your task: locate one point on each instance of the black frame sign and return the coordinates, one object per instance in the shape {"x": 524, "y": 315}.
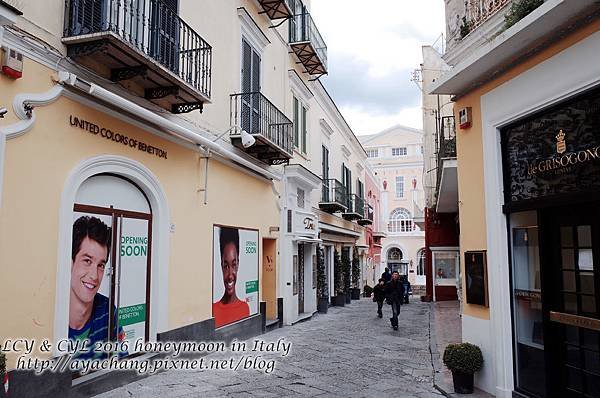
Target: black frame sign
{"x": 555, "y": 152}
{"x": 476, "y": 280}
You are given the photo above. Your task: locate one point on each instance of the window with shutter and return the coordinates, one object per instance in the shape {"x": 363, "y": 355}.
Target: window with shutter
{"x": 250, "y": 84}
{"x": 304, "y": 131}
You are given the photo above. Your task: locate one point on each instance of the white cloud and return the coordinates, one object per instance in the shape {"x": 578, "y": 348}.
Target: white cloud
{"x": 363, "y": 122}
{"x": 375, "y": 42}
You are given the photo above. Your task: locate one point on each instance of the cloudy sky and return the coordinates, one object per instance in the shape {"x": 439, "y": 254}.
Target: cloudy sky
{"x": 373, "y": 47}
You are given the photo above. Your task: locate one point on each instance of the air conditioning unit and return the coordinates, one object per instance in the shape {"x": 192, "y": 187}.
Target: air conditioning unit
{"x": 12, "y": 63}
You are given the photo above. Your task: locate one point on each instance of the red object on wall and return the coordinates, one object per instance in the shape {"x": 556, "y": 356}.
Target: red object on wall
{"x": 441, "y": 230}
{"x": 10, "y": 72}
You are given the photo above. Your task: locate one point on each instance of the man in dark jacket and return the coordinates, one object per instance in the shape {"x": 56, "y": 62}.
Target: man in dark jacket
{"x": 379, "y": 296}
{"x": 386, "y": 276}
{"x": 394, "y": 292}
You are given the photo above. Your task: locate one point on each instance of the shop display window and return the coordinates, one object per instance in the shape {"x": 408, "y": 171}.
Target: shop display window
{"x": 527, "y": 305}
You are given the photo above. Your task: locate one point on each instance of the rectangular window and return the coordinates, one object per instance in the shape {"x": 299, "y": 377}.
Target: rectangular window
{"x": 399, "y": 151}
{"x": 304, "y": 133}
{"x": 372, "y": 153}
{"x": 399, "y": 186}
{"x": 300, "y": 198}
{"x": 527, "y": 303}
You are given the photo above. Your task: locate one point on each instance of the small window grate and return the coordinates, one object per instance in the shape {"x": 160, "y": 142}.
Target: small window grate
{"x": 300, "y": 198}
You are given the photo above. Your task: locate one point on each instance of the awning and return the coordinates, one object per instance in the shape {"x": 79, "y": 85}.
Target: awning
{"x": 303, "y": 239}
{"x": 338, "y": 238}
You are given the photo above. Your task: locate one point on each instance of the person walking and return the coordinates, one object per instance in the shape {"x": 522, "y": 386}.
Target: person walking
{"x": 394, "y": 292}
{"x": 407, "y": 288}
{"x": 379, "y": 296}
{"x": 386, "y": 276}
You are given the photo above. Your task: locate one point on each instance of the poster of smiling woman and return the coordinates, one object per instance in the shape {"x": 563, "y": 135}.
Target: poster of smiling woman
{"x": 235, "y": 274}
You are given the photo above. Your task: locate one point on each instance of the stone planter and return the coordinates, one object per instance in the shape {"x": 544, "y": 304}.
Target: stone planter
{"x": 322, "y": 305}
{"x": 339, "y": 300}
{"x": 355, "y": 294}
{"x": 463, "y": 382}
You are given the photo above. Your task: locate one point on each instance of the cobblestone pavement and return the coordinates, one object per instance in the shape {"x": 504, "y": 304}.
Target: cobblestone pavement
{"x": 348, "y": 352}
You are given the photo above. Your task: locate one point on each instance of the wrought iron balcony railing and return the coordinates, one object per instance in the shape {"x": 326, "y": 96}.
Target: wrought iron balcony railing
{"x": 479, "y": 11}
{"x": 446, "y": 145}
{"x": 334, "y": 193}
{"x": 258, "y": 116}
{"x": 355, "y": 208}
{"x": 447, "y": 148}
{"x": 152, "y": 28}
{"x": 308, "y": 44}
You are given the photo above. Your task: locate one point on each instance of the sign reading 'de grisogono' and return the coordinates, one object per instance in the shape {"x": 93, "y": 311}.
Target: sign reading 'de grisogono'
{"x": 116, "y": 137}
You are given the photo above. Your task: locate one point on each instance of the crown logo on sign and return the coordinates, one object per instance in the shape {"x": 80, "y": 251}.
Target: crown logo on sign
{"x": 561, "y": 145}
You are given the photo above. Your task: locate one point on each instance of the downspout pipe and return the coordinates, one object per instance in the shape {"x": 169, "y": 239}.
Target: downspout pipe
{"x": 172, "y": 127}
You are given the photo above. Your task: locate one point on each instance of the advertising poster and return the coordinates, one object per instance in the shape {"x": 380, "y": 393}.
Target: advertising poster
{"x": 90, "y": 287}
{"x": 235, "y": 274}
{"x": 132, "y": 275}
{"x": 90, "y": 314}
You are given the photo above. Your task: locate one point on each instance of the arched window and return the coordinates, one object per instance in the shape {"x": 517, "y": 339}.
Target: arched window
{"x": 421, "y": 262}
{"x": 400, "y": 221}
{"x": 394, "y": 254}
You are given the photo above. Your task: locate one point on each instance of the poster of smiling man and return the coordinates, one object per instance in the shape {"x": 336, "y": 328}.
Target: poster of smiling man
{"x": 235, "y": 274}
{"x": 89, "y": 304}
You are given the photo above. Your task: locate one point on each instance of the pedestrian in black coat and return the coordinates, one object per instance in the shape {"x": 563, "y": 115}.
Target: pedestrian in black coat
{"x": 386, "y": 276}
{"x": 394, "y": 294}
{"x": 379, "y": 296}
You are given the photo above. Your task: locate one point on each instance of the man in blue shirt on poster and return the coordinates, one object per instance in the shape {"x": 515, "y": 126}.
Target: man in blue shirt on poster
{"x": 88, "y": 309}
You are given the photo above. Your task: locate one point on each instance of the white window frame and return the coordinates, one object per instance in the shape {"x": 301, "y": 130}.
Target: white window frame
{"x": 401, "y": 221}
{"x": 400, "y": 151}
{"x": 400, "y": 183}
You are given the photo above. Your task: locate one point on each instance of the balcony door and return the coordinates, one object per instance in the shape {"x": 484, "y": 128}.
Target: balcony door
{"x": 325, "y": 166}
{"x": 570, "y": 253}
{"x": 164, "y": 28}
{"x": 250, "y": 89}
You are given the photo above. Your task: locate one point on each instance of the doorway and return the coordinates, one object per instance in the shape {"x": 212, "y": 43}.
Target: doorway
{"x": 300, "y": 278}
{"x": 570, "y": 254}
{"x": 269, "y": 279}
{"x": 114, "y": 216}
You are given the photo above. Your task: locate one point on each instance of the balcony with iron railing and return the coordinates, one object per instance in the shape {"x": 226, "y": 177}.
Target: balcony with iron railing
{"x": 367, "y": 217}
{"x": 334, "y": 197}
{"x": 355, "y": 208}
{"x": 446, "y": 185}
{"x": 272, "y": 130}
{"x": 277, "y": 9}
{"x": 145, "y": 43}
{"x": 308, "y": 44}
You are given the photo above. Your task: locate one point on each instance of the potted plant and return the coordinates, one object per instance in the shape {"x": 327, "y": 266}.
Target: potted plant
{"x": 322, "y": 288}
{"x": 367, "y": 291}
{"x": 355, "y": 275}
{"x": 346, "y": 275}
{"x": 463, "y": 360}
{"x": 338, "y": 280}
{"x": 2, "y": 374}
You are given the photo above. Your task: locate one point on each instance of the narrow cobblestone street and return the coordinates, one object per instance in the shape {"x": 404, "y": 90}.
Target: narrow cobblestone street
{"x": 348, "y": 352}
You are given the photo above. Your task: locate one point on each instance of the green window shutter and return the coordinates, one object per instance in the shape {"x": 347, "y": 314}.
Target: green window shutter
{"x": 304, "y": 133}
{"x": 296, "y": 122}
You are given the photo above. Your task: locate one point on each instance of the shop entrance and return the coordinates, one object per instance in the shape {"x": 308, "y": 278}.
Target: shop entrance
{"x": 112, "y": 242}
{"x": 570, "y": 258}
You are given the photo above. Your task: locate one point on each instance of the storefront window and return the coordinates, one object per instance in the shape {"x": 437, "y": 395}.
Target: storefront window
{"x": 445, "y": 266}
{"x": 527, "y": 303}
